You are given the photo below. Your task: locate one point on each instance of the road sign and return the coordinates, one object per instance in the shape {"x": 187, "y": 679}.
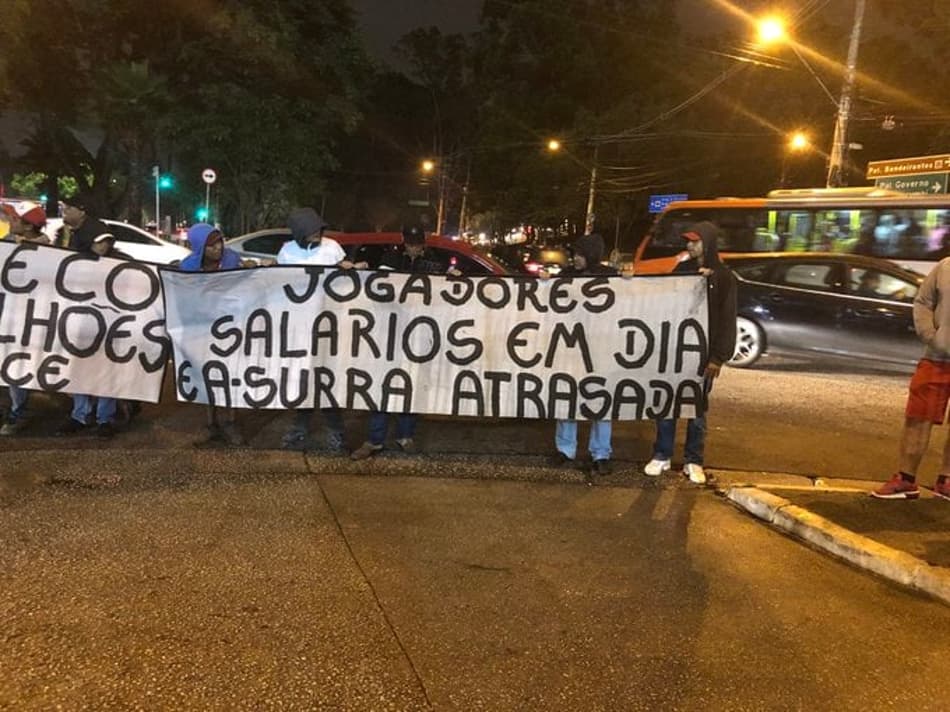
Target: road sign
{"x": 924, "y": 183}
{"x": 209, "y": 176}
{"x": 907, "y": 167}
{"x": 658, "y": 202}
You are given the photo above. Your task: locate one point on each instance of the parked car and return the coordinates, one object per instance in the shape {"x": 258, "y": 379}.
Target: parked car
{"x": 263, "y": 245}
{"x": 531, "y": 259}
{"x": 133, "y": 241}
{"x": 825, "y": 304}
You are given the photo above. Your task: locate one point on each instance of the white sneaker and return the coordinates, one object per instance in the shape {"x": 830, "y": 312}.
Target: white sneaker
{"x": 655, "y": 467}
{"x": 695, "y": 472}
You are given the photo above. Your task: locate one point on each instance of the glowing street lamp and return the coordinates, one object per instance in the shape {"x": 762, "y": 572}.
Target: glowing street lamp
{"x": 798, "y": 141}
{"x": 771, "y": 30}
{"x": 554, "y": 145}
{"x": 428, "y": 166}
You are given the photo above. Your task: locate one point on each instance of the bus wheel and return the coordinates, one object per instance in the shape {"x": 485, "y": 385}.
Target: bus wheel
{"x": 750, "y": 343}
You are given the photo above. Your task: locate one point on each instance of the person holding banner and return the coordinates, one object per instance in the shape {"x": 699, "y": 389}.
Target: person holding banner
{"x": 721, "y": 286}
{"x": 208, "y": 254}
{"x": 91, "y": 236}
{"x": 415, "y": 258}
{"x": 588, "y": 254}
{"x": 27, "y": 221}
{"x": 309, "y": 246}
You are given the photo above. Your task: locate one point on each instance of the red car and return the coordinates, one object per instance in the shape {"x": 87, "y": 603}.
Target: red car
{"x": 369, "y": 247}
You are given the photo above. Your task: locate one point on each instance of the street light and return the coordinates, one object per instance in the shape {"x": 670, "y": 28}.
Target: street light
{"x": 428, "y": 166}
{"x": 797, "y": 143}
{"x": 771, "y": 30}
{"x": 554, "y": 145}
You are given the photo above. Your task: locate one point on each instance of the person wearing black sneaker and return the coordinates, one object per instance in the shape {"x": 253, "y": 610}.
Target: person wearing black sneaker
{"x": 89, "y": 235}
{"x": 929, "y": 391}
{"x": 413, "y": 256}
{"x": 588, "y": 254}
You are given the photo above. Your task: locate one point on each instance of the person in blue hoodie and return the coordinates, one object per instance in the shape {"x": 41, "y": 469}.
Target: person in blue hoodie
{"x": 208, "y": 254}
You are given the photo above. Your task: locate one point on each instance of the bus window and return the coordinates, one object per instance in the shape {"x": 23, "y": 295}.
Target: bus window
{"x": 900, "y": 234}
{"x": 740, "y": 230}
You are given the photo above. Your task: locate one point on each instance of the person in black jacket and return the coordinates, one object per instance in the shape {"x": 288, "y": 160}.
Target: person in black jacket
{"x": 416, "y": 258}
{"x": 588, "y": 254}
{"x": 92, "y": 237}
{"x": 721, "y": 289}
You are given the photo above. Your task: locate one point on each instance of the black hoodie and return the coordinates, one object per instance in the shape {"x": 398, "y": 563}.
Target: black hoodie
{"x": 592, "y": 247}
{"x": 721, "y": 289}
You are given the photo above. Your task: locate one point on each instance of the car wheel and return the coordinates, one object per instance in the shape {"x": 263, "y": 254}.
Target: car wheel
{"x": 750, "y": 343}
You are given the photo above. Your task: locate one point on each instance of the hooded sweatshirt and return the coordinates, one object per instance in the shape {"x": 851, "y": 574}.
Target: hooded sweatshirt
{"x": 592, "y": 248}
{"x": 304, "y": 222}
{"x": 932, "y": 312}
{"x": 721, "y": 294}
{"x": 198, "y": 238}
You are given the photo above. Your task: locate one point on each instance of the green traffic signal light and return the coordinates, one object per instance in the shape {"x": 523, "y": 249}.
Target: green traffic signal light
{"x": 201, "y": 213}
{"x": 165, "y": 182}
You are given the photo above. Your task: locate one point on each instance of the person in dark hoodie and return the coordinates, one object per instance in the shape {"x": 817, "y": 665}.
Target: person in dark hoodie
{"x": 92, "y": 237}
{"x": 309, "y": 246}
{"x": 588, "y": 254}
{"x": 412, "y": 256}
{"x": 721, "y": 290}
{"x": 208, "y": 254}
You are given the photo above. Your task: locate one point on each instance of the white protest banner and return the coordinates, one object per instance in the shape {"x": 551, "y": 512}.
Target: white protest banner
{"x": 75, "y": 323}
{"x": 296, "y": 337}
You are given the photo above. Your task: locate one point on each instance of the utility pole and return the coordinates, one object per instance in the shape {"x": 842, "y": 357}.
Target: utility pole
{"x": 839, "y": 149}
{"x": 156, "y": 173}
{"x": 591, "y": 195}
{"x": 462, "y": 215}
{"x": 441, "y": 213}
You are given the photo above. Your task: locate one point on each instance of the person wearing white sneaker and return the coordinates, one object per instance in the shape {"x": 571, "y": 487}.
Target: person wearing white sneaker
{"x": 703, "y": 250}
{"x": 656, "y": 467}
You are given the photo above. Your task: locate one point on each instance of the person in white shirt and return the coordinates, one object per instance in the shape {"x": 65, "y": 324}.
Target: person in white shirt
{"x": 309, "y": 246}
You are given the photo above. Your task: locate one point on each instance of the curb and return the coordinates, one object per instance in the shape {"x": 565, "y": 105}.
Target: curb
{"x": 894, "y": 565}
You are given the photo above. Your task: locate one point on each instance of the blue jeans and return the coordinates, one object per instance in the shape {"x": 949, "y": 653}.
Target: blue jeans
{"x": 565, "y": 438}
{"x": 379, "y": 424}
{"x": 82, "y": 409}
{"x": 695, "y": 440}
{"x": 18, "y": 398}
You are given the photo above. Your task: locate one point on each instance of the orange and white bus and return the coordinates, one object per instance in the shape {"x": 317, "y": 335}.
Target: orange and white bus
{"x": 911, "y": 230}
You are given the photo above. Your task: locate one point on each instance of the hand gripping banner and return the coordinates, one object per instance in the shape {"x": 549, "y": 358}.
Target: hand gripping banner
{"x": 302, "y": 337}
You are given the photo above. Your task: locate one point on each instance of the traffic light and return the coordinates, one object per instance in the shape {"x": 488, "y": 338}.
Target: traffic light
{"x": 165, "y": 182}
{"x": 201, "y": 213}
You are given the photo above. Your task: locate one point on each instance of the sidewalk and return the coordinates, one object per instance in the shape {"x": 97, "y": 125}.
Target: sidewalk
{"x": 906, "y": 541}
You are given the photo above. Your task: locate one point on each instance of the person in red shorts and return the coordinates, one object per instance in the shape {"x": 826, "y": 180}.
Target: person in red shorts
{"x": 929, "y": 390}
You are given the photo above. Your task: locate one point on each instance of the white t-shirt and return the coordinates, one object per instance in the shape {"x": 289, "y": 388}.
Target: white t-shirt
{"x": 327, "y": 253}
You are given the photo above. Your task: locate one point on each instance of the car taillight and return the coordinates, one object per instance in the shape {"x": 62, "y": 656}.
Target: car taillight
{"x": 532, "y": 266}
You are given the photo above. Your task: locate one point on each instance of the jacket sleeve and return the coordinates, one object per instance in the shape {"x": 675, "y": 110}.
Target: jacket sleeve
{"x": 724, "y": 342}
{"x": 924, "y": 305}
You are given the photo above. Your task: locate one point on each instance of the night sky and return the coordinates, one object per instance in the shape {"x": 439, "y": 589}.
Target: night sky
{"x": 385, "y": 21}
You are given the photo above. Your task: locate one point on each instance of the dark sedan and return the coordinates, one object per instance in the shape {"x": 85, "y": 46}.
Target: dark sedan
{"x": 825, "y": 304}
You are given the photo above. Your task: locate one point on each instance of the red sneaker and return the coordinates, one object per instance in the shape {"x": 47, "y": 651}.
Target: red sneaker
{"x": 942, "y": 486}
{"x": 897, "y": 488}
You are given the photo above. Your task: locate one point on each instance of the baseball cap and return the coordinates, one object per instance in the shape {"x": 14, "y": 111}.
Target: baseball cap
{"x": 27, "y": 212}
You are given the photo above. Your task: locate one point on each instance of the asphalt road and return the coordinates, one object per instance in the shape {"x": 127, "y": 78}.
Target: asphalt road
{"x": 143, "y": 574}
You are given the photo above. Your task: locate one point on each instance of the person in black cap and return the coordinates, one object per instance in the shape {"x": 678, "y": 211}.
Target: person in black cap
{"x": 85, "y": 229}
{"x": 309, "y": 246}
{"x": 413, "y": 257}
{"x": 91, "y": 236}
